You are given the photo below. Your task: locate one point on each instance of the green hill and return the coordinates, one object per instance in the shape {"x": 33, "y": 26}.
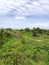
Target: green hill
{"x": 21, "y": 47}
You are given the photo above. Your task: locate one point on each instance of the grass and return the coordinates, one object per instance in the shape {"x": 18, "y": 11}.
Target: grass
{"x": 25, "y": 49}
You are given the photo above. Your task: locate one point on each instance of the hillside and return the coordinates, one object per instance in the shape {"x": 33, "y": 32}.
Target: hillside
{"x": 24, "y": 47}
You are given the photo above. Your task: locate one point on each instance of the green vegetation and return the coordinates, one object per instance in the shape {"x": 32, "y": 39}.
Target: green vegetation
{"x": 24, "y": 47}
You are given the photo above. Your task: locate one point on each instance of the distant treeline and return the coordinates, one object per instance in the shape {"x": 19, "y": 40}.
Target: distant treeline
{"x": 35, "y": 31}
{"x": 26, "y": 29}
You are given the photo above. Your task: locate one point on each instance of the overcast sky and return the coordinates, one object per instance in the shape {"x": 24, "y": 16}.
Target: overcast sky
{"x": 24, "y": 13}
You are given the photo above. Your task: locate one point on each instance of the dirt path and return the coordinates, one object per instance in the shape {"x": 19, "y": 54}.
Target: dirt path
{"x": 32, "y": 39}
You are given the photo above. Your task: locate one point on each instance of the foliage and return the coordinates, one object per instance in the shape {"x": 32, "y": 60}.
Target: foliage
{"x": 22, "y": 48}
{"x": 27, "y": 29}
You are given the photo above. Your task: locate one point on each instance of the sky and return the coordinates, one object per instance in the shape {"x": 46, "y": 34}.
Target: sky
{"x": 19, "y": 14}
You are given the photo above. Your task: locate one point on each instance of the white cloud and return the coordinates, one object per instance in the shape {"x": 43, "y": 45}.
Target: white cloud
{"x": 19, "y": 10}
{"x": 20, "y": 17}
{"x": 25, "y": 7}
{"x": 39, "y": 24}
{"x": 44, "y": 1}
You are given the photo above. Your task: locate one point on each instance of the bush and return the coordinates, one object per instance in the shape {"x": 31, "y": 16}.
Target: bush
{"x": 27, "y": 29}
{"x": 23, "y": 41}
{"x": 40, "y": 31}
{"x": 48, "y": 33}
{"x": 9, "y": 29}
{"x": 36, "y": 34}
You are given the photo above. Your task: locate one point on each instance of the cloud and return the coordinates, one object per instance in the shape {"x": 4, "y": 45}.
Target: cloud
{"x": 25, "y": 11}
{"x": 25, "y": 7}
{"x": 20, "y": 17}
{"x": 37, "y": 24}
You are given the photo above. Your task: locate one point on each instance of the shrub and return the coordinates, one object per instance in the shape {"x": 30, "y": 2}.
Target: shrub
{"x": 23, "y": 41}
{"x": 48, "y": 33}
{"x": 36, "y": 34}
{"x": 27, "y": 29}
{"x": 9, "y": 29}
